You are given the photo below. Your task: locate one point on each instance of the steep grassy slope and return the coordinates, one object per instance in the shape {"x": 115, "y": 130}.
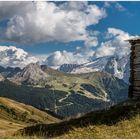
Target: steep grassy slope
{"x": 15, "y": 115}
{"x": 120, "y": 121}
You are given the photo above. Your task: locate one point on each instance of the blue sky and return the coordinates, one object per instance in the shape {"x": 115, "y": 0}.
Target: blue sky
{"x": 126, "y": 20}
{"x": 27, "y": 26}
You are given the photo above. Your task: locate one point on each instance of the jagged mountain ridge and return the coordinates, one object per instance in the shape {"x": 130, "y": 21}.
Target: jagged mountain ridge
{"x": 68, "y": 67}
{"x": 119, "y": 67}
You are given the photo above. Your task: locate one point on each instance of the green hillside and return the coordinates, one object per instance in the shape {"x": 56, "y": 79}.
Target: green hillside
{"x": 121, "y": 121}
{"x": 15, "y": 115}
{"x": 68, "y": 95}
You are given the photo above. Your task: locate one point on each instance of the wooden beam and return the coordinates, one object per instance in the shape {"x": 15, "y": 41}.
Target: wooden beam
{"x": 136, "y": 95}
{"x": 136, "y": 92}
{"x": 136, "y": 47}
{"x": 136, "y": 73}
{"x": 136, "y": 78}
{"x": 136, "y": 54}
{"x": 136, "y": 88}
{"x": 135, "y": 70}
{"x": 136, "y": 83}
{"x": 135, "y": 59}
{"x": 136, "y": 65}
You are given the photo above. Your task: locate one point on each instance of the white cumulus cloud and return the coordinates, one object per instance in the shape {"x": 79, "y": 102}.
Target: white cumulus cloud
{"x": 58, "y": 58}
{"x": 33, "y": 22}
{"x": 116, "y": 43}
{"x": 91, "y": 41}
{"x": 15, "y": 57}
{"x": 114, "y": 5}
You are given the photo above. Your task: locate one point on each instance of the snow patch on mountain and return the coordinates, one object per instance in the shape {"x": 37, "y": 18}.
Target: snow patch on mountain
{"x": 119, "y": 67}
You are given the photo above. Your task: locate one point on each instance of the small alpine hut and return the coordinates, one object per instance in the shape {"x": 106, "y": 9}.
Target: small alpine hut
{"x": 134, "y": 88}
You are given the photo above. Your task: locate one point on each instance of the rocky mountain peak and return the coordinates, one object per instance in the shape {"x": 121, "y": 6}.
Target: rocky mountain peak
{"x": 32, "y": 67}
{"x": 31, "y": 74}
{"x": 68, "y": 67}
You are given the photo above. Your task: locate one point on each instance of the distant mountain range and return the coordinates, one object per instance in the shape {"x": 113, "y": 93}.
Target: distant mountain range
{"x": 119, "y": 67}
{"x": 62, "y": 94}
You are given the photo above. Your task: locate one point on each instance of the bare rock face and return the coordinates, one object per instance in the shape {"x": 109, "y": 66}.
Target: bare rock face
{"x": 31, "y": 74}
{"x": 1, "y": 78}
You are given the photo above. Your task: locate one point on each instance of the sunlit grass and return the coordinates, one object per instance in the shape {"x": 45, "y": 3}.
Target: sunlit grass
{"x": 128, "y": 128}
